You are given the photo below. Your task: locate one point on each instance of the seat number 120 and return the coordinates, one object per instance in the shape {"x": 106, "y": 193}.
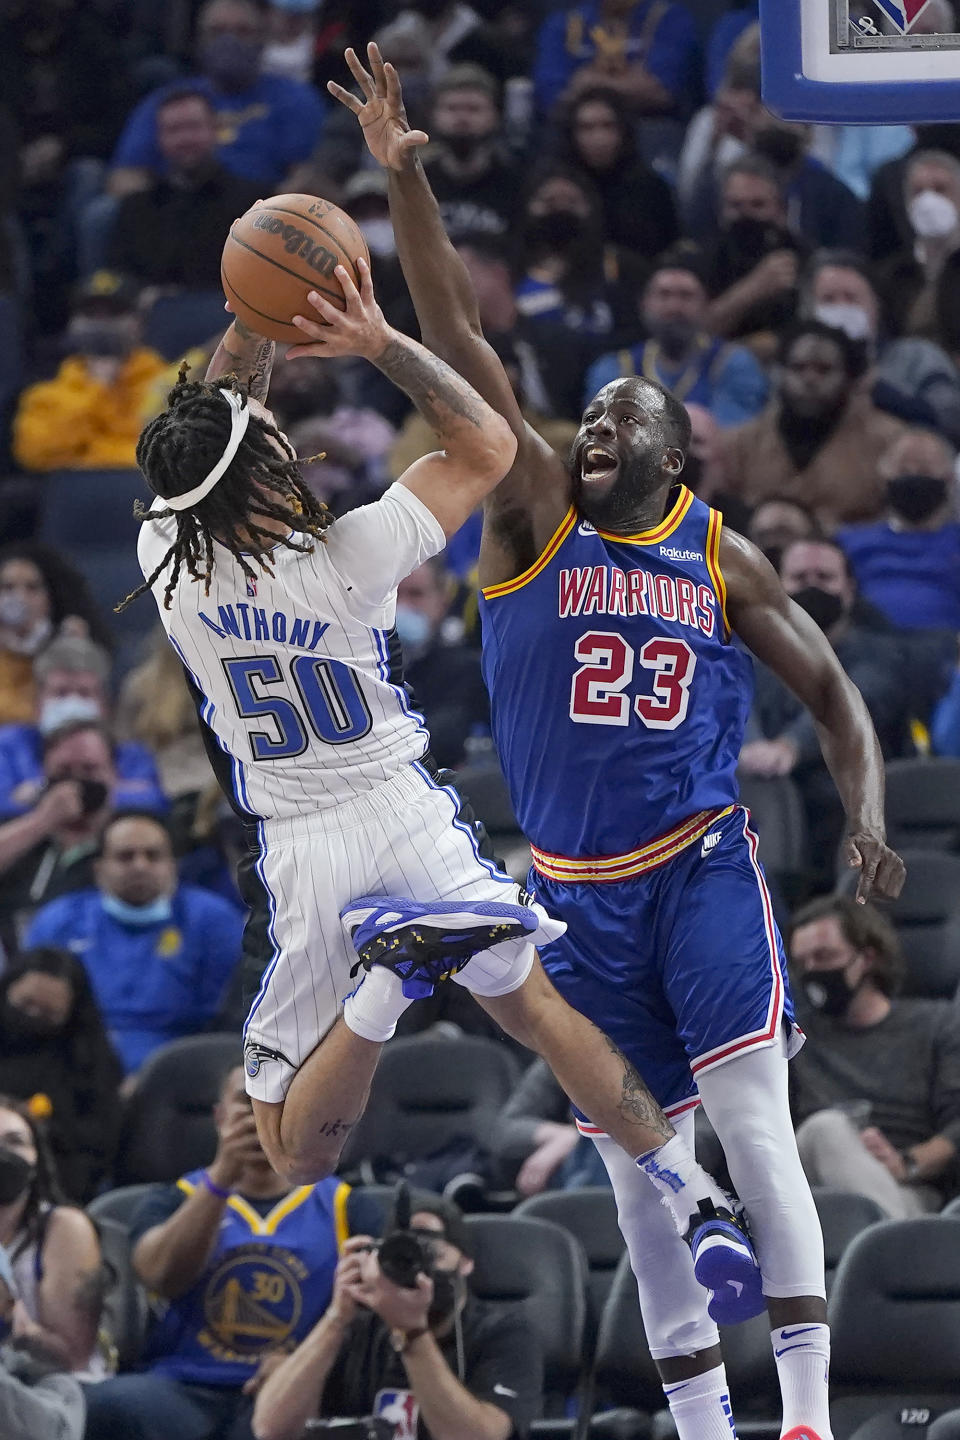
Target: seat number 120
{"x": 597, "y": 690}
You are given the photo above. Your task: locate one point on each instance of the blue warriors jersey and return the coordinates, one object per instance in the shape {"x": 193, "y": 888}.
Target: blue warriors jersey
{"x": 618, "y": 701}
{"x": 268, "y": 1282}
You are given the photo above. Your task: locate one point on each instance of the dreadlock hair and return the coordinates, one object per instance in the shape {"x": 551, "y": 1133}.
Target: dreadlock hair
{"x": 182, "y": 445}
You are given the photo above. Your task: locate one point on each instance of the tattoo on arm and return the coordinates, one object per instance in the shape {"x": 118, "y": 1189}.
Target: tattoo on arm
{"x": 247, "y": 355}
{"x": 443, "y": 398}
{"x": 335, "y": 1129}
{"x": 636, "y": 1102}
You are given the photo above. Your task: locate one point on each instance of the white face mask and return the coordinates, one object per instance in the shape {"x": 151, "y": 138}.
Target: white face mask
{"x": 379, "y": 236}
{"x": 294, "y": 58}
{"x": 932, "y": 215}
{"x": 64, "y": 709}
{"x": 853, "y": 320}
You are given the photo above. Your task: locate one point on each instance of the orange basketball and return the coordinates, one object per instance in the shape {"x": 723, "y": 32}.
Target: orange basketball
{"x": 278, "y": 251}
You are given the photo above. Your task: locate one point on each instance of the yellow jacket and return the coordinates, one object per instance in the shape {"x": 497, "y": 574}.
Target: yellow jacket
{"x": 77, "y": 422}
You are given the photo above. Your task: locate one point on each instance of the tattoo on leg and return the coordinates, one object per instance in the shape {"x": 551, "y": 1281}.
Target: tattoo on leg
{"x": 636, "y": 1102}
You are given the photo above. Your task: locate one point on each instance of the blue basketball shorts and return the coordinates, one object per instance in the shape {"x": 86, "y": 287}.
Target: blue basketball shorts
{"x": 681, "y": 966}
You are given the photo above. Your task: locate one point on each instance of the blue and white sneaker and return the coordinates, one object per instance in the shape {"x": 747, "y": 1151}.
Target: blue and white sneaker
{"x": 425, "y": 943}
{"x": 725, "y": 1263}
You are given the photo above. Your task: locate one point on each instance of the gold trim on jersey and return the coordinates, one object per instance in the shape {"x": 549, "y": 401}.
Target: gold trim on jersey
{"x": 659, "y": 532}
{"x": 603, "y": 869}
{"x": 262, "y": 1224}
{"x": 493, "y": 592}
{"x": 714, "y": 527}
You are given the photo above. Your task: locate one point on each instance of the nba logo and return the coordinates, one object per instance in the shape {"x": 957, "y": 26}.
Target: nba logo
{"x": 251, "y": 587}
{"x": 902, "y": 13}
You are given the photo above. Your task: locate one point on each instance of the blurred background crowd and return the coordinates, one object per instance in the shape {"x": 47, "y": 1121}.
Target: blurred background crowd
{"x": 625, "y": 205}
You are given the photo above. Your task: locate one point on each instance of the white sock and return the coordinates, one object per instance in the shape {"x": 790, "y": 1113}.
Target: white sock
{"x": 372, "y": 1011}
{"x": 802, "y": 1353}
{"x": 701, "y": 1406}
{"x": 682, "y": 1182}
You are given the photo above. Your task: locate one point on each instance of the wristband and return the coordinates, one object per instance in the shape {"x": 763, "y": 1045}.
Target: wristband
{"x": 401, "y": 1340}
{"x": 214, "y": 1188}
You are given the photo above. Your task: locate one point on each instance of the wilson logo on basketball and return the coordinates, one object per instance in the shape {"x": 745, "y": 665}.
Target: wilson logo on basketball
{"x": 298, "y": 242}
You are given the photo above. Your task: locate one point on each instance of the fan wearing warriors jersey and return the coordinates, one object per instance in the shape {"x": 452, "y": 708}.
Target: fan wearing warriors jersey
{"x": 284, "y": 622}
{"x": 618, "y": 704}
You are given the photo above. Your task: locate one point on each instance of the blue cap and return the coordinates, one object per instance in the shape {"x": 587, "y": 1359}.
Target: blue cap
{"x": 297, "y": 7}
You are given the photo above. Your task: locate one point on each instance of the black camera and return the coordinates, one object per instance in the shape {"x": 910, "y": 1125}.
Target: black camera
{"x": 403, "y": 1254}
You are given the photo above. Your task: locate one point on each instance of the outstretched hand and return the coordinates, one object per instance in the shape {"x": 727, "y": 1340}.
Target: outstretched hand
{"x": 360, "y": 329}
{"x": 386, "y": 130}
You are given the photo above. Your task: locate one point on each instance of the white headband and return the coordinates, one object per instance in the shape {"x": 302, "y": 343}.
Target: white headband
{"x": 239, "y": 420}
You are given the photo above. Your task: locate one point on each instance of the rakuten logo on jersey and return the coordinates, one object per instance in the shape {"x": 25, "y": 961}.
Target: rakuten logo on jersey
{"x": 672, "y": 553}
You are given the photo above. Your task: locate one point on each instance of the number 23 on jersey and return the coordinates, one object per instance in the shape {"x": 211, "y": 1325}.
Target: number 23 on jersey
{"x": 598, "y": 688}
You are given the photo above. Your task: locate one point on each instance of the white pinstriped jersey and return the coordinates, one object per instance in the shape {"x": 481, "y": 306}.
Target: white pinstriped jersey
{"x": 297, "y": 678}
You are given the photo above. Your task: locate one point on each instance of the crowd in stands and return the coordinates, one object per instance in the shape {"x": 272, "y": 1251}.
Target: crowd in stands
{"x": 625, "y": 204}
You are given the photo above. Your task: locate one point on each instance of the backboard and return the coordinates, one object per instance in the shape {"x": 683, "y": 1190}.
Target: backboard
{"x": 861, "y": 62}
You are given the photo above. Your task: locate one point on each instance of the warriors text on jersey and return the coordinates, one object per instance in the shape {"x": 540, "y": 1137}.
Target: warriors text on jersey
{"x": 618, "y": 701}
{"x": 296, "y": 676}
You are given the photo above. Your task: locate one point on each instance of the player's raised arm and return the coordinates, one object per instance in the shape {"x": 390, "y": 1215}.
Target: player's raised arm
{"x": 478, "y": 445}
{"x": 247, "y": 355}
{"x": 784, "y": 637}
{"x": 439, "y": 283}
{"x": 522, "y": 514}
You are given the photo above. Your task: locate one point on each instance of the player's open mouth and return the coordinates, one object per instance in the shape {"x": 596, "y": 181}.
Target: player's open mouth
{"x": 597, "y": 463}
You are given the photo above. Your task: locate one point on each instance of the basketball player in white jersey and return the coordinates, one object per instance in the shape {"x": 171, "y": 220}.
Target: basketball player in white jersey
{"x": 284, "y": 622}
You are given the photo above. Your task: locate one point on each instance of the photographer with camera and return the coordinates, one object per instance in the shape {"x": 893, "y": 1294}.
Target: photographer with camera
{"x": 50, "y": 850}
{"x": 407, "y": 1346}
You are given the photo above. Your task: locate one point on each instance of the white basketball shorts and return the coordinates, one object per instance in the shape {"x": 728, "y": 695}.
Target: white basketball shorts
{"x": 407, "y": 837}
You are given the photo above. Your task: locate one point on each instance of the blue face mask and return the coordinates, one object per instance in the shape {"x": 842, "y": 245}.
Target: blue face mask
{"x": 158, "y": 912}
{"x": 413, "y": 627}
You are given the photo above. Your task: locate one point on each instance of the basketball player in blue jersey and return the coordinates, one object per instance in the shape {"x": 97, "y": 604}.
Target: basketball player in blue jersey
{"x": 284, "y": 621}
{"x": 610, "y": 599}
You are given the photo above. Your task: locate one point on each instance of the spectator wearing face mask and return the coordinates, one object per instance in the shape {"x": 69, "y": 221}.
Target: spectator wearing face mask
{"x": 753, "y": 264}
{"x": 41, "y": 596}
{"x": 89, "y": 416}
{"x": 679, "y": 353}
{"x": 782, "y": 738}
{"x": 921, "y": 280}
{"x": 50, "y": 849}
{"x": 875, "y": 1091}
{"x": 53, "y": 1247}
{"x": 171, "y": 233}
{"x": 55, "y": 1056}
{"x": 575, "y": 293}
{"x": 266, "y": 124}
{"x": 477, "y": 188}
{"x": 293, "y": 32}
{"x": 70, "y": 678}
{"x": 908, "y": 563}
{"x": 820, "y": 440}
{"x": 159, "y": 954}
{"x": 37, "y": 1400}
{"x": 910, "y": 377}
{"x": 442, "y": 671}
